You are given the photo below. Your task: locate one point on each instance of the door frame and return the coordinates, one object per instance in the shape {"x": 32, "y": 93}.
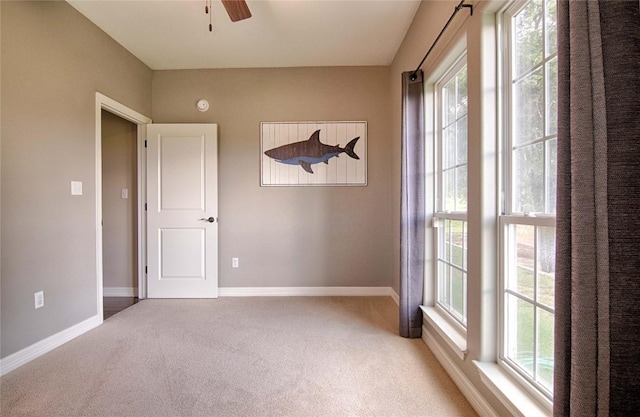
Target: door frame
{"x": 105, "y": 103}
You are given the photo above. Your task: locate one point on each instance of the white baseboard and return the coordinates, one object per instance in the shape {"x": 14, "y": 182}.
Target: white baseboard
{"x": 120, "y": 292}
{"x": 395, "y": 296}
{"x": 470, "y": 392}
{"x": 305, "y": 291}
{"x": 16, "y": 360}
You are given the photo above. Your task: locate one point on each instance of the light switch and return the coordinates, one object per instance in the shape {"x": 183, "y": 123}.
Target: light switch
{"x": 39, "y": 299}
{"x": 76, "y": 187}
{"x": 124, "y": 193}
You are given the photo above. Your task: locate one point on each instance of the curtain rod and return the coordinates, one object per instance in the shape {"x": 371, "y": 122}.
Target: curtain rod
{"x": 457, "y": 9}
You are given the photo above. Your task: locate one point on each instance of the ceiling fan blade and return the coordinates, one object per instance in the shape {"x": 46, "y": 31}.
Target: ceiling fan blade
{"x": 237, "y": 9}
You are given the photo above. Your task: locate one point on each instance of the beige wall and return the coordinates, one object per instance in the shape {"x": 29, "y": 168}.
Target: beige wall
{"x": 291, "y": 236}
{"x": 119, "y": 232}
{"x": 53, "y": 62}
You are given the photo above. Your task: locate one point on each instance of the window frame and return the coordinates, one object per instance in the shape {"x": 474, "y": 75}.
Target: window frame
{"x": 507, "y": 216}
{"x": 441, "y": 216}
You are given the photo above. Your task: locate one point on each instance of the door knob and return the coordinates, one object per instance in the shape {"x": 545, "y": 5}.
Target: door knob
{"x": 210, "y": 219}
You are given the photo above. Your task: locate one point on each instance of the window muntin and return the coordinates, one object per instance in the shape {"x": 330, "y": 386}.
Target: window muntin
{"x": 533, "y": 75}
{"x": 451, "y": 193}
{"x": 529, "y": 300}
{"x": 529, "y": 180}
{"x": 452, "y": 268}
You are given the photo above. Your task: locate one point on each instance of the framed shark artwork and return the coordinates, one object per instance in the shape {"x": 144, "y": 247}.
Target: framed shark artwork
{"x": 313, "y": 153}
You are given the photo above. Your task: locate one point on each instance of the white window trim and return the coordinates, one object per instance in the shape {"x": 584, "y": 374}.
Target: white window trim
{"x": 454, "y": 336}
{"x": 505, "y": 95}
{"x": 438, "y": 221}
{"x": 516, "y": 393}
{"x": 451, "y": 325}
{"x": 503, "y": 363}
{"x": 519, "y": 401}
{"x": 451, "y": 71}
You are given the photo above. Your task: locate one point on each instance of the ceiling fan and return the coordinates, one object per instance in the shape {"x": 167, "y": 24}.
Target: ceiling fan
{"x": 236, "y": 9}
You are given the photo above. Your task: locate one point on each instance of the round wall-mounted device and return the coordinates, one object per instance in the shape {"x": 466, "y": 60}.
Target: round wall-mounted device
{"x": 202, "y": 105}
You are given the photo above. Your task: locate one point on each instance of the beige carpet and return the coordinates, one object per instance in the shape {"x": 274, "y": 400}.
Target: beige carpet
{"x": 307, "y": 356}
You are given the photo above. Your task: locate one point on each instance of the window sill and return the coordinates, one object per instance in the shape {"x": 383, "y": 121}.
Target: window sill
{"x": 515, "y": 398}
{"x": 455, "y": 339}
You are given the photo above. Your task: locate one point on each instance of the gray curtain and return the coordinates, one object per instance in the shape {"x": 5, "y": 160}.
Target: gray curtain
{"x": 597, "y": 328}
{"x": 412, "y": 205}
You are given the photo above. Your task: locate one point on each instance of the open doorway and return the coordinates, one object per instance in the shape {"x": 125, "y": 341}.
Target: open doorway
{"x": 129, "y": 196}
{"x": 119, "y": 213}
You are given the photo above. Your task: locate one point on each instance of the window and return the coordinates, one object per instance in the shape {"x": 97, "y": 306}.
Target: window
{"x": 527, "y": 222}
{"x": 450, "y": 216}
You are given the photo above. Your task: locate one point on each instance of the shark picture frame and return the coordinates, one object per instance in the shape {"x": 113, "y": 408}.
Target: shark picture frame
{"x": 313, "y": 153}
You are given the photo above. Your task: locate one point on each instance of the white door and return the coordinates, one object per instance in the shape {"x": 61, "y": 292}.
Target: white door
{"x": 182, "y": 211}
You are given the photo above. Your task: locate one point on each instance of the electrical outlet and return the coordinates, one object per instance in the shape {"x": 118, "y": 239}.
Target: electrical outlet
{"x": 234, "y": 262}
{"x": 39, "y": 299}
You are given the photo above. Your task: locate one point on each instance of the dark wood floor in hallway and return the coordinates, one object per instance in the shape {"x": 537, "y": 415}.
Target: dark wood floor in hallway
{"x": 113, "y": 305}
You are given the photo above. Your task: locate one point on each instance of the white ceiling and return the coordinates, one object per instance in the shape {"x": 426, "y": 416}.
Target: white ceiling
{"x": 174, "y": 34}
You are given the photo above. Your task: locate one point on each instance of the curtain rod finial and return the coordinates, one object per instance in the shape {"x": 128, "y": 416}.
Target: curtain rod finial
{"x": 463, "y": 4}
{"x": 459, "y": 7}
